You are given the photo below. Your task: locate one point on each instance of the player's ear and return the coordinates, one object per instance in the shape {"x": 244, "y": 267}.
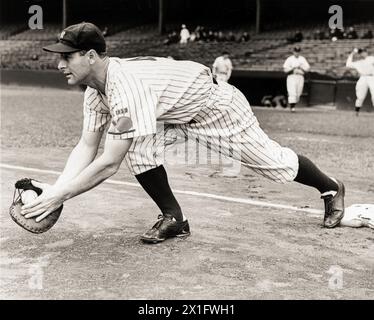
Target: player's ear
{"x": 92, "y": 56}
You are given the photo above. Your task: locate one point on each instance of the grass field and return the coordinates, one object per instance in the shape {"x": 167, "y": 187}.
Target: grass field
{"x": 251, "y": 238}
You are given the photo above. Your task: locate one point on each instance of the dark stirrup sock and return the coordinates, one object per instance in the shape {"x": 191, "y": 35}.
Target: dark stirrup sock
{"x": 155, "y": 183}
{"x": 310, "y": 175}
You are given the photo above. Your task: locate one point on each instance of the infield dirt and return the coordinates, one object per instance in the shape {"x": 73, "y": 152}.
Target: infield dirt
{"x": 236, "y": 250}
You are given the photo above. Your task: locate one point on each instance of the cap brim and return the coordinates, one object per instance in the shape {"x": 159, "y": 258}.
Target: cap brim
{"x": 60, "y": 48}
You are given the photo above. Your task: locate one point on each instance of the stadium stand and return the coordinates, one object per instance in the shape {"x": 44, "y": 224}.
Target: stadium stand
{"x": 142, "y": 33}
{"x": 8, "y": 30}
{"x": 49, "y": 32}
{"x": 26, "y": 54}
{"x": 325, "y": 57}
{"x": 263, "y": 52}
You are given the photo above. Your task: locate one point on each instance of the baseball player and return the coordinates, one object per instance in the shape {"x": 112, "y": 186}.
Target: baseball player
{"x": 222, "y": 67}
{"x": 295, "y": 66}
{"x": 184, "y": 34}
{"x": 365, "y": 68}
{"x": 130, "y": 96}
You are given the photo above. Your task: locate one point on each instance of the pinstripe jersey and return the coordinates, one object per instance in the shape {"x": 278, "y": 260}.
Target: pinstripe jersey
{"x": 140, "y": 91}
{"x": 228, "y": 126}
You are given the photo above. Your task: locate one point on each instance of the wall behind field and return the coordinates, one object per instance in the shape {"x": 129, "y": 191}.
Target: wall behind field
{"x": 255, "y": 85}
{"x": 317, "y": 90}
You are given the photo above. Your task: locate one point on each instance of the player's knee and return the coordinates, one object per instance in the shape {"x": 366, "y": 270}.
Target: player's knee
{"x": 289, "y": 166}
{"x": 136, "y": 170}
{"x": 282, "y": 174}
{"x": 288, "y": 175}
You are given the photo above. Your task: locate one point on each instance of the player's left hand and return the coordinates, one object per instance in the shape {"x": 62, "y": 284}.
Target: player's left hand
{"x": 46, "y": 203}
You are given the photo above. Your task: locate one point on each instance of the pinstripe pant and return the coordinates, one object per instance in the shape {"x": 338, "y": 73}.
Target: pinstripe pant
{"x": 226, "y": 125}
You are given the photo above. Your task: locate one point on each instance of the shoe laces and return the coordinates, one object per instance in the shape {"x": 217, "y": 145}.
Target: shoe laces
{"x": 160, "y": 220}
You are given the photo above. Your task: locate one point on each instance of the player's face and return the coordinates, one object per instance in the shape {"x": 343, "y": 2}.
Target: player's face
{"x": 75, "y": 67}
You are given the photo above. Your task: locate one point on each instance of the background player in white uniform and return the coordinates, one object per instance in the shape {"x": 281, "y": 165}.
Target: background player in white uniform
{"x": 295, "y": 66}
{"x": 365, "y": 68}
{"x": 184, "y": 34}
{"x": 222, "y": 67}
{"x": 129, "y": 95}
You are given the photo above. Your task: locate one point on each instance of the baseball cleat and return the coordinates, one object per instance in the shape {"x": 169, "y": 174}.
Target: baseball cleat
{"x": 166, "y": 227}
{"x": 334, "y": 207}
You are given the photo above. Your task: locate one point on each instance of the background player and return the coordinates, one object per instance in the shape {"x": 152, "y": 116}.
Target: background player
{"x": 365, "y": 68}
{"x": 222, "y": 67}
{"x": 184, "y": 34}
{"x": 130, "y": 95}
{"x": 295, "y": 66}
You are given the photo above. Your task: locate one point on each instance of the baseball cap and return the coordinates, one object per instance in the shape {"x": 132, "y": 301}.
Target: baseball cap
{"x": 77, "y": 37}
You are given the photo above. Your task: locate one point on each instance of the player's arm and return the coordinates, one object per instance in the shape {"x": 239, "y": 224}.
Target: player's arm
{"x": 349, "y": 63}
{"x": 96, "y": 172}
{"x": 81, "y": 156}
{"x": 106, "y": 165}
{"x": 287, "y": 67}
{"x": 305, "y": 65}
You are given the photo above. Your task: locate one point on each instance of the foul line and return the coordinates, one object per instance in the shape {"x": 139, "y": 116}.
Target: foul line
{"x": 191, "y": 193}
